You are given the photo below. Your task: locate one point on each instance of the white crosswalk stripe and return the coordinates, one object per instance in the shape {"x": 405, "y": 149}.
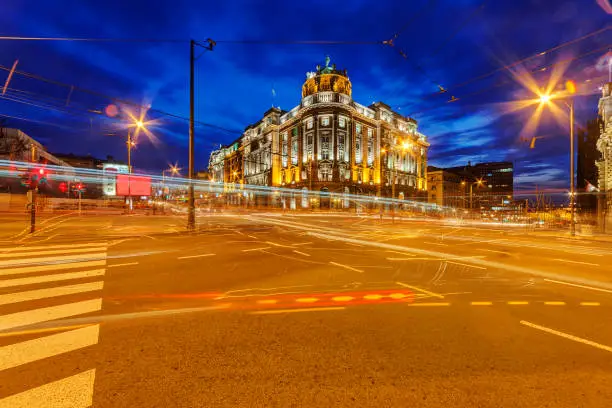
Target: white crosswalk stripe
{"x": 31, "y": 276}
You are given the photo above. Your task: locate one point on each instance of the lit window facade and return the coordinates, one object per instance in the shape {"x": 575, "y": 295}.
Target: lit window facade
{"x": 329, "y": 141}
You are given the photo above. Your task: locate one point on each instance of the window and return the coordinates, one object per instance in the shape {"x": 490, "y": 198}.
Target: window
{"x": 294, "y": 131}
{"x": 358, "y": 149}
{"x": 370, "y": 151}
{"x": 294, "y": 151}
{"x": 341, "y": 122}
{"x": 309, "y": 147}
{"x": 325, "y": 147}
{"x": 370, "y": 132}
{"x": 325, "y": 121}
{"x": 358, "y": 128}
{"x": 309, "y": 124}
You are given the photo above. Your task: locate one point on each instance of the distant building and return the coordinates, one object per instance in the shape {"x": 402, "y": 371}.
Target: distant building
{"x": 15, "y": 145}
{"x": 604, "y": 165}
{"x": 492, "y": 184}
{"x": 328, "y": 143}
{"x": 444, "y": 188}
{"x": 85, "y": 162}
{"x": 587, "y": 177}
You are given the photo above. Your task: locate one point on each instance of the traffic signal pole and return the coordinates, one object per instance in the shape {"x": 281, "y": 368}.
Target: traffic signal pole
{"x": 33, "y": 211}
{"x": 191, "y": 210}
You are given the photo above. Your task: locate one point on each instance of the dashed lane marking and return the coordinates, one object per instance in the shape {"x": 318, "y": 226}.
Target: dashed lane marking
{"x": 481, "y": 303}
{"x": 255, "y": 249}
{"x": 420, "y": 290}
{"x": 310, "y": 309}
{"x": 590, "y": 304}
{"x": 575, "y": 262}
{"x": 466, "y": 265}
{"x": 567, "y": 336}
{"x": 346, "y": 267}
{"x": 432, "y": 304}
{"x": 554, "y": 303}
{"x": 579, "y": 286}
{"x": 517, "y": 302}
{"x": 195, "y": 256}
{"x": 122, "y": 264}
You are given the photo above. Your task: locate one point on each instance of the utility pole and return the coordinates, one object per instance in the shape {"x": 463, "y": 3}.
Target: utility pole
{"x": 572, "y": 190}
{"x": 191, "y": 171}
{"x": 191, "y": 210}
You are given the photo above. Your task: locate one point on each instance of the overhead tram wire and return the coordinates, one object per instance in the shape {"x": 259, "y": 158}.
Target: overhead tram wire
{"x": 507, "y": 81}
{"x": 92, "y": 39}
{"x": 115, "y": 99}
{"x": 419, "y": 67}
{"x": 515, "y": 63}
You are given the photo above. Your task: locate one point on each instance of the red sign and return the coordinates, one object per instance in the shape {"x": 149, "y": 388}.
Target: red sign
{"x": 129, "y": 185}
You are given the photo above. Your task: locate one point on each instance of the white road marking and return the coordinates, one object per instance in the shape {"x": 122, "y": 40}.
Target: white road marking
{"x": 195, "y": 256}
{"x": 15, "y": 262}
{"x": 310, "y": 309}
{"x": 49, "y": 247}
{"x": 71, "y": 392}
{"x": 469, "y": 266}
{"x": 481, "y": 303}
{"x": 50, "y": 292}
{"x": 57, "y": 251}
{"x": 255, "y": 249}
{"x": 19, "y": 319}
{"x": 579, "y": 286}
{"x": 589, "y": 303}
{"x": 518, "y": 302}
{"x": 435, "y": 243}
{"x": 50, "y": 278}
{"x": 122, "y": 264}
{"x": 346, "y": 267}
{"x": 567, "y": 336}
{"x": 420, "y": 290}
{"x": 554, "y": 303}
{"x": 493, "y": 250}
{"x": 44, "y": 268}
{"x": 301, "y": 253}
{"x": 43, "y": 347}
{"x": 575, "y": 262}
{"x": 434, "y": 304}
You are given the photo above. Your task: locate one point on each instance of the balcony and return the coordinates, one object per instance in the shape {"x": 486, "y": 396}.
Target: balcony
{"x": 326, "y": 97}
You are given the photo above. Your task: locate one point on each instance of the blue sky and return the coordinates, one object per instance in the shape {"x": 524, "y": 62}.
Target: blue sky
{"x": 447, "y": 42}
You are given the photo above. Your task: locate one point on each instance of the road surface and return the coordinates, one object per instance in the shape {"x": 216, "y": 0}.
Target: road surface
{"x": 272, "y": 310}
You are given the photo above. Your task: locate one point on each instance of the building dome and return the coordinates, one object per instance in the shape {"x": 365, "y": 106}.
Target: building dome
{"x": 327, "y": 79}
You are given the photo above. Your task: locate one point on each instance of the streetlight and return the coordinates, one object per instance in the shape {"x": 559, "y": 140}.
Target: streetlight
{"x": 545, "y": 99}
{"x": 478, "y": 182}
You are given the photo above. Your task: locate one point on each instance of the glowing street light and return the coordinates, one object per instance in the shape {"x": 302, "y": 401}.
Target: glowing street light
{"x": 546, "y": 99}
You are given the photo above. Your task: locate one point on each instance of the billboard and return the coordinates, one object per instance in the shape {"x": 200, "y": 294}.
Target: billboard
{"x": 130, "y": 185}
{"x": 109, "y": 182}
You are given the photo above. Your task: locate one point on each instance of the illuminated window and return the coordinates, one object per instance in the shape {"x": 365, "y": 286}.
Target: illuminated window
{"x": 358, "y": 128}
{"x": 370, "y": 132}
{"x": 309, "y": 124}
{"x": 294, "y": 151}
{"x": 325, "y": 121}
{"x": 325, "y": 147}
{"x": 358, "y": 149}
{"x": 341, "y": 122}
{"x": 309, "y": 146}
{"x": 370, "y": 150}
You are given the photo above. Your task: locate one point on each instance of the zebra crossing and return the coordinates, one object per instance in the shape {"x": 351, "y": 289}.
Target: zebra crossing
{"x": 53, "y": 275}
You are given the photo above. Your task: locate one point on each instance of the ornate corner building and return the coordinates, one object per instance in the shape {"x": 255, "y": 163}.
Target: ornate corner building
{"x": 604, "y": 166}
{"x": 329, "y": 143}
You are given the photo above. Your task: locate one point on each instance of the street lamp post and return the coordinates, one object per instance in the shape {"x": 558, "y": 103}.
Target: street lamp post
{"x": 479, "y": 183}
{"x": 546, "y": 99}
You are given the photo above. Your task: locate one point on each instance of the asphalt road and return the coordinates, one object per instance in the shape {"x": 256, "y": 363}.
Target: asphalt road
{"x": 270, "y": 310}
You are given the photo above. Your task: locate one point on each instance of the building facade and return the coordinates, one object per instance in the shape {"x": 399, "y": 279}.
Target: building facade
{"x": 604, "y": 165}
{"x": 331, "y": 143}
{"x": 444, "y": 188}
{"x": 482, "y": 185}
